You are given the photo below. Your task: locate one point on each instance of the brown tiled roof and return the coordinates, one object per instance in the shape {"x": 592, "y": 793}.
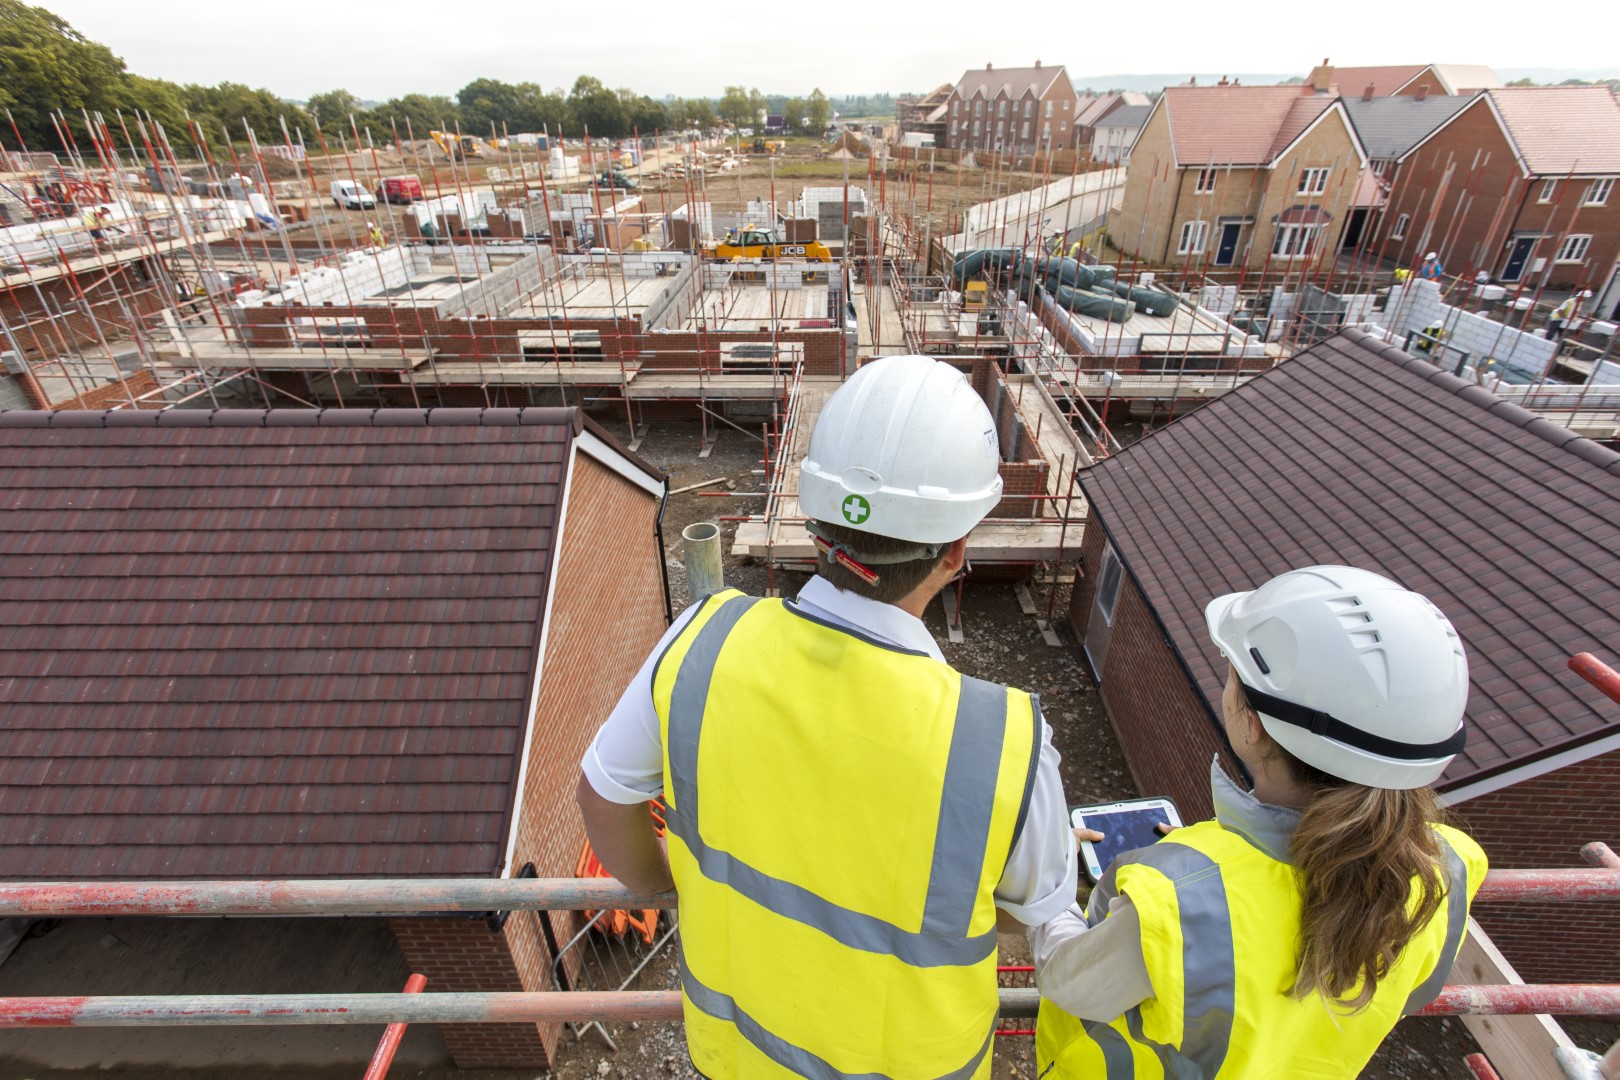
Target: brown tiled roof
{"x": 292, "y": 643}
{"x": 1563, "y": 129}
{"x": 1354, "y": 80}
{"x": 1238, "y": 125}
{"x": 1015, "y": 81}
{"x": 1355, "y": 453}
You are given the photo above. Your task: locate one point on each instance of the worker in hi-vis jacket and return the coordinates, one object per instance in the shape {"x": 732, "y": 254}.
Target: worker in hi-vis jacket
{"x": 1287, "y": 935}
{"x": 850, "y": 819}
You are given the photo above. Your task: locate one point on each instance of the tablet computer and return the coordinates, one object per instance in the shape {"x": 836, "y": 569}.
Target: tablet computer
{"x": 1126, "y": 826}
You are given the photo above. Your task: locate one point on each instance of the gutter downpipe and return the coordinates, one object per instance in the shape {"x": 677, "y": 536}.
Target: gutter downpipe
{"x": 663, "y": 555}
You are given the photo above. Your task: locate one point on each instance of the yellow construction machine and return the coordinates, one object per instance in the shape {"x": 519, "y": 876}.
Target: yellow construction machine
{"x": 458, "y": 147}
{"x": 756, "y": 243}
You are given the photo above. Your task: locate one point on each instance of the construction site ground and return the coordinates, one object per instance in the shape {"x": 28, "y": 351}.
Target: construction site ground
{"x": 1001, "y": 643}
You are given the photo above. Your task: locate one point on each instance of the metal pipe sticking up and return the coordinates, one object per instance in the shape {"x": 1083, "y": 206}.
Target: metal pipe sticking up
{"x": 701, "y": 552}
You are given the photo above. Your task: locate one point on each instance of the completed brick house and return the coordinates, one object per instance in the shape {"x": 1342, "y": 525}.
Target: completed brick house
{"x": 1519, "y": 183}
{"x": 1355, "y": 453}
{"x": 1225, "y": 176}
{"x": 354, "y": 643}
{"x": 1012, "y": 110}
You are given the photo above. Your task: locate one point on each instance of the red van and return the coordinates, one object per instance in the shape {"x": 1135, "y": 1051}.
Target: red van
{"x": 400, "y": 189}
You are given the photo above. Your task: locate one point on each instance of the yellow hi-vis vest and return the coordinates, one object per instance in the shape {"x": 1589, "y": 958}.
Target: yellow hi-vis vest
{"x": 840, "y": 811}
{"x": 1220, "y": 937}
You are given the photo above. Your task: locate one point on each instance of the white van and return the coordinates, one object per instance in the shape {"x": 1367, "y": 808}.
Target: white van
{"x": 351, "y": 196}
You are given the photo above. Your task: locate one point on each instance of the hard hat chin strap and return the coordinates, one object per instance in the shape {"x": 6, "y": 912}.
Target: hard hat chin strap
{"x": 861, "y": 564}
{"x": 1326, "y": 726}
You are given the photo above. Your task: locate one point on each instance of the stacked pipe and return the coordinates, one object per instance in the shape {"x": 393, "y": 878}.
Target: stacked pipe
{"x": 1092, "y": 291}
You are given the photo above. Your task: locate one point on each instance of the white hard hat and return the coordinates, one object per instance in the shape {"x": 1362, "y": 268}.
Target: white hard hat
{"x": 905, "y": 449}
{"x": 1349, "y": 672}
{"x": 1431, "y": 255}
{"x": 1586, "y": 294}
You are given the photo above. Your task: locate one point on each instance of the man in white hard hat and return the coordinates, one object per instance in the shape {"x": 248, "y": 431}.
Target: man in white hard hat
{"x": 1558, "y": 321}
{"x": 850, "y": 819}
{"x": 1431, "y": 269}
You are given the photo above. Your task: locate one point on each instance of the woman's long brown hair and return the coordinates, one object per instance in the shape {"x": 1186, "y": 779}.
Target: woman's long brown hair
{"x": 1368, "y": 863}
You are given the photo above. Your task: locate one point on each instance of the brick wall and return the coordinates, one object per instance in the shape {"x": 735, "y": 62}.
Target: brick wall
{"x": 1499, "y": 204}
{"x": 110, "y": 396}
{"x": 1543, "y": 823}
{"x": 1160, "y": 721}
{"x": 607, "y": 612}
{"x": 465, "y": 955}
{"x": 40, "y": 321}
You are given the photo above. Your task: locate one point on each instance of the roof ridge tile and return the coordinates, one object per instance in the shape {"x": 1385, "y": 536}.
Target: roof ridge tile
{"x": 529, "y": 416}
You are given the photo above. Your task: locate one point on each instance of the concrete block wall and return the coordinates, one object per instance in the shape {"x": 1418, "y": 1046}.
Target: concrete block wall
{"x": 1418, "y": 304}
{"x": 359, "y": 275}
{"x": 1542, "y": 823}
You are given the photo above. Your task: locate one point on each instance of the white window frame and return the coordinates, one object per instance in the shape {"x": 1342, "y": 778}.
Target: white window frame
{"x": 1401, "y": 224}
{"x": 953, "y": 127}
{"x": 956, "y": 108}
{"x": 1001, "y": 107}
{"x": 1549, "y": 188}
{"x": 1205, "y": 183}
{"x": 1194, "y": 238}
{"x": 1597, "y": 192}
{"x": 1109, "y": 577}
{"x": 1574, "y": 248}
{"x": 975, "y": 129}
{"x": 1065, "y": 106}
{"x": 978, "y": 108}
{"x": 1029, "y": 107}
{"x": 1048, "y": 108}
{"x": 1295, "y": 241}
{"x": 1063, "y": 125}
{"x": 1025, "y": 135}
{"x": 1312, "y": 181}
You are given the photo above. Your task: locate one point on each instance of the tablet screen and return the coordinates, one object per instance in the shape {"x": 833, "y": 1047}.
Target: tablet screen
{"x": 1127, "y": 830}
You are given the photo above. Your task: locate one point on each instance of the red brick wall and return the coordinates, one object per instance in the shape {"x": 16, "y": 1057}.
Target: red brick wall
{"x": 1543, "y": 823}
{"x": 1021, "y": 478}
{"x": 465, "y": 955}
{"x": 109, "y": 396}
{"x": 1161, "y": 723}
{"x": 39, "y": 333}
{"x": 607, "y": 613}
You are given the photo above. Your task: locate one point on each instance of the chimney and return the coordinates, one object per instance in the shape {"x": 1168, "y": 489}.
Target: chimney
{"x": 1037, "y": 65}
{"x": 989, "y": 67}
{"x": 1192, "y": 80}
{"x": 1422, "y": 92}
{"x": 1367, "y": 94}
{"x": 1223, "y": 82}
{"x": 1322, "y": 77}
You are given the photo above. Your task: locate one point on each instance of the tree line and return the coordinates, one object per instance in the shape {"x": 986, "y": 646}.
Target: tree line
{"x": 47, "y": 68}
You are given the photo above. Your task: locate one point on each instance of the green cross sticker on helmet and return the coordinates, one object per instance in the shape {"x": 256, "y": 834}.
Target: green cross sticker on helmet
{"x": 856, "y": 509}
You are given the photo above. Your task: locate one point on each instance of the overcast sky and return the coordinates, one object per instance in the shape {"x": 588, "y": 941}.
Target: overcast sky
{"x": 382, "y": 48}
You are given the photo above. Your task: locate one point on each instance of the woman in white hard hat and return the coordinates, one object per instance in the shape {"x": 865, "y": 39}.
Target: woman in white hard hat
{"x": 869, "y": 815}
{"x": 1285, "y": 937}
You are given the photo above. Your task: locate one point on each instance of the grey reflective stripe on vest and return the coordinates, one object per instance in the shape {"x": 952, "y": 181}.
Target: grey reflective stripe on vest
{"x": 1208, "y": 962}
{"x": 971, "y": 774}
{"x": 1118, "y": 1064}
{"x": 1456, "y": 923}
{"x": 793, "y": 1058}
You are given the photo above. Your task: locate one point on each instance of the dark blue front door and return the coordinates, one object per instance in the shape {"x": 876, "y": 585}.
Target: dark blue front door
{"x": 1518, "y": 257}
{"x": 1227, "y": 251}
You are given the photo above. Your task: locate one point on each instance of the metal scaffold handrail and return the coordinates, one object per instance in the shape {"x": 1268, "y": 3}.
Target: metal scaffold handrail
{"x": 376, "y": 896}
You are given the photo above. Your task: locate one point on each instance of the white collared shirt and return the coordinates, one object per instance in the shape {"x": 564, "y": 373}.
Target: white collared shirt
{"x": 625, "y": 762}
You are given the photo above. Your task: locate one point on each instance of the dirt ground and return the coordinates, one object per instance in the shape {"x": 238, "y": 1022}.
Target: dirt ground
{"x": 954, "y": 188}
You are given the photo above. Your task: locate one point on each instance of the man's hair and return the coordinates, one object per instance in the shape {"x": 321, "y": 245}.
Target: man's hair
{"x": 895, "y": 580}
